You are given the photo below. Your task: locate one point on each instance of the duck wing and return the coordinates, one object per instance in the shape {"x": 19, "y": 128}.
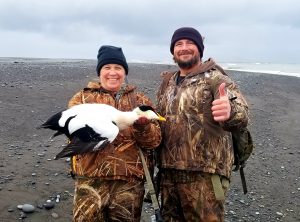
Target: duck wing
{"x": 89, "y": 139}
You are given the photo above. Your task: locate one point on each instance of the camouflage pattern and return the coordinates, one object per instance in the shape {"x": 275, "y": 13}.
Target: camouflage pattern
{"x": 200, "y": 143}
{"x": 112, "y": 200}
{"x": 120, "y": 160}
{"x": 194, "y": 145}
{"x": 110, "y": 183}
{"x": 190, "y": 201}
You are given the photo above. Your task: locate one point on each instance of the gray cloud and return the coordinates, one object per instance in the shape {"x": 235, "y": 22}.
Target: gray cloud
{"x": 244, "y": 30}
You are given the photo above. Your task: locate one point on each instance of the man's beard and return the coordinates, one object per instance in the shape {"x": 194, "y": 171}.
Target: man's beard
{"x": 186, "y": 64}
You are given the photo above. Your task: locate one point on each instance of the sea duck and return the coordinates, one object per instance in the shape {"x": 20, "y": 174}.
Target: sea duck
{"x": 91, "y": 127}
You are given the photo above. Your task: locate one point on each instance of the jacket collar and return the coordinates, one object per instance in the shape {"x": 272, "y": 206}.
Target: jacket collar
{"x": 203, "y": 67}
{"x": 96, "y": 86}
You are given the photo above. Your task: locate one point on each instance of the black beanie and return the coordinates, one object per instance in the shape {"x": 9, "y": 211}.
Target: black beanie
{"x": 111, "y": 55}
{"x": 188, "y": 33}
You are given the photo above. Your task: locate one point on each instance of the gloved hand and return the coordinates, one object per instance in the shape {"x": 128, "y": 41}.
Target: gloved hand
{"x": 142, "y": 121}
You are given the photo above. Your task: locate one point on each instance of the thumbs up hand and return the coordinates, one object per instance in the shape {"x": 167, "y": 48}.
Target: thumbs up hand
{"x": 221, "y": 107}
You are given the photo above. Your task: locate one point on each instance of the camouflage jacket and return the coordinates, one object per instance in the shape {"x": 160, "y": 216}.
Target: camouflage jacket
{"x": 192, "y": 140}
{"x": 119, "y": 160}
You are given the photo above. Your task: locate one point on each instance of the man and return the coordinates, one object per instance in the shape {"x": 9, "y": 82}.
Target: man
{"x": 202, "y": 105}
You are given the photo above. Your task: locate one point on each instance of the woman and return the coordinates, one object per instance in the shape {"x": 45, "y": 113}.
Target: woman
{"x": 110, "y": 183}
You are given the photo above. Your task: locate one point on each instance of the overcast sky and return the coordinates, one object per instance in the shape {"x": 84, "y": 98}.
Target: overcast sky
{"x": 234, "y": 30}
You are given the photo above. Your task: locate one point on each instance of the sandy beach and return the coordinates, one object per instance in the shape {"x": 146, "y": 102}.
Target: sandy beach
{"x": 31, "y": 90}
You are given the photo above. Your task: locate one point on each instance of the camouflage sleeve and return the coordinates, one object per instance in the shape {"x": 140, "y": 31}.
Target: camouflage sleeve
{"x": 148, "y": 136}
{"x": 239, "y": 115}
{"x": 76, "y": 99}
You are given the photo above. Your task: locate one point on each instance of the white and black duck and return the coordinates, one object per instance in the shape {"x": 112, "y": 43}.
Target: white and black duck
{"x": 90, "y": 127}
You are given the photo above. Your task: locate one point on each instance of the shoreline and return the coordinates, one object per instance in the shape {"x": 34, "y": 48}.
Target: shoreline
{"x": 279, "y": 73}
{"x": 93, "y": 61}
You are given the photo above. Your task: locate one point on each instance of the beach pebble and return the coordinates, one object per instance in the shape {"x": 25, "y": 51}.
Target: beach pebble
{"x": 54, "y": 215}
{"x": 49, "y": 205}
{"x": 10, "y": 210}
{"x": 20, "y": 206}
{"x": 22, "y": 216}
{"x": 40, "y": 206}
{"x": 28, "y": 208}
{"x": 57, "y": 198}
{"x": 242, "y": 201}
{"x": 232, "y": 212}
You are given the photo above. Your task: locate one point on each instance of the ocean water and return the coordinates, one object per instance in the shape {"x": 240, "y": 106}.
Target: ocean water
{"x": 288, "y": 69}
{"x": 291, "y": 69}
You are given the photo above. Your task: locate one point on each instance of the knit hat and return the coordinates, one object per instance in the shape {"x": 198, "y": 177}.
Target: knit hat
{"x": 110, "y": 55}
{"x": 188, "y": 33}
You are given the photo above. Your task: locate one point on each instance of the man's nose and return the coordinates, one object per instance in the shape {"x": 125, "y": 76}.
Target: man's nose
{"x": 184, "y": 46}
